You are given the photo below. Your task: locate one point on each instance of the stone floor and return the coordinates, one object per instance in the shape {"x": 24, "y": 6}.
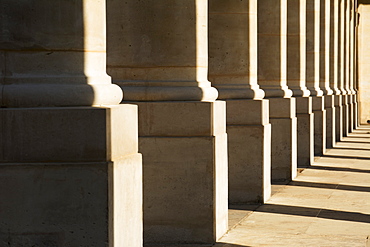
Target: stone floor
{"x": 328, "y": 204}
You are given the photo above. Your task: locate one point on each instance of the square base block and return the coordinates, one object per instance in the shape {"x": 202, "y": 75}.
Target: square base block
{"x": 350, "y": 113}
{"x": 249, "y": 147}
{"x": 71, "y": 176}
{"x": 345, "y": 109}
{"x": 355, "y": 112}
{"x": 184, "y": 147}
{"x": 318, "y": 104}
{"x": 330, "y": 121}
{"x": 283, "y": 139}
{"x": 305, "y": 131}
{"x": 338, "y": 117}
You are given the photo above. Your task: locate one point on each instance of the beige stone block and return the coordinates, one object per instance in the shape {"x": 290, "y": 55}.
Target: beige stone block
{"x": 345, "y": 110}
{"x": 320, "y": 132}
{"x": 305, "y": 139}
{"x": 282, "y": 107}
{"x": 283, "y": 139}
{"x": 221, "y": 7}
{"x": 185, "y": 188}
{"x": 338, "y": 117}
{"x": 249, "y": 146}
{"x": 181, "y": 118}
{"x": 249, "y": 163}
{"x": 126, "y": 201}
{"x": 318, "y": 103}
{"x": 74, "y": 172}
{"x": 330, "y": 121}
{"x": 247, "y": 112}
{"x": 304, "y": 105}
{"x": 283, "y": 149}
{"x": 68, "y": 134}
{"x": 68, "y": 204}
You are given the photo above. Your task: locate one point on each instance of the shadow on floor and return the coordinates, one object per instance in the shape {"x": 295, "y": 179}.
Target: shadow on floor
{"x": 345, "y": 157}
{"x": 314, "y": 212}
{"x": 229, "y": 245}
{"x": 350, "y": 148}
{"x": 331, "y": 186}
{"x": 338, "y": 169}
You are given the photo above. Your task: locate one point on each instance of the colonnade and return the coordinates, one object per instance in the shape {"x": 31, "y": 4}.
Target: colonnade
{"x": 131, "y": 121}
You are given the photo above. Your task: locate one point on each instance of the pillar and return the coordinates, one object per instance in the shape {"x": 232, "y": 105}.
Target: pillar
{"x": 334, "y": 70}
{"x": 233, "y": 71}
{"x": 343, "y": 66}
{"x": 272, "y": 54}
{"x": 348, "y": 52}
{"x": 356, "y": 123}
{"x": 296, "y": 79}
{"x": 70, "y": 167}
{"x": 352, "y": 66}
{"x": 340, "y": 113}
{"x": 157, "y": 53}
{"x": 325, "y": 72}
{"x": 313, "y": 75}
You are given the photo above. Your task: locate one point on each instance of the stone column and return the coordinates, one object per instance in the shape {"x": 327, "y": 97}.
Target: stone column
{"x": 356, "y": 123}
{"x": 296, "y": 79}
{"x": 158, "y": 54}
{"x": 272, "y": 56}
{"x": 334, "y": 68}
{"x": 343, "y": 65}
{"x": 340, "y": 125}
{"x": 325, "y": 72}
{"x": 313, "y": 74}
{"x": 70, "y": 168}
{"x": 348, "y": 52}
{"x": 352, "y": 67}
{"x": 233, "y": 71}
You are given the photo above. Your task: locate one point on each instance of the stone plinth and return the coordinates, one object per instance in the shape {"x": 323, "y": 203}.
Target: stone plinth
{"x": 283, "y": 139}
{"x": 249, "y": 145}
{"x": 318, "y": 107}
{"x": 346, "y": 114}
{"x": 338, "y": 117}
{"x": 72, "y": 176}
{"x": 330, "y": 121}
{"x": 185, "y": 171}
{"x": 305, "y": 131}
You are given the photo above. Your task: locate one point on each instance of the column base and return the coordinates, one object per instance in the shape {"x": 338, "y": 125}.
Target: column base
{"x": 318, "y": 104}
{"x": 249, "y": 146}
{"x": 338, "y": 99}
{"x": 184, "y": 147}
{"x": 330, "y": 121}
{"x": 355, "y": 112}
{"x": 351, "y": 106}
{"x": 305, "y": 132}
{"x": 70, "y": 176}
{"x": 283, "y": 139}
{"x": 345, "y": 109}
